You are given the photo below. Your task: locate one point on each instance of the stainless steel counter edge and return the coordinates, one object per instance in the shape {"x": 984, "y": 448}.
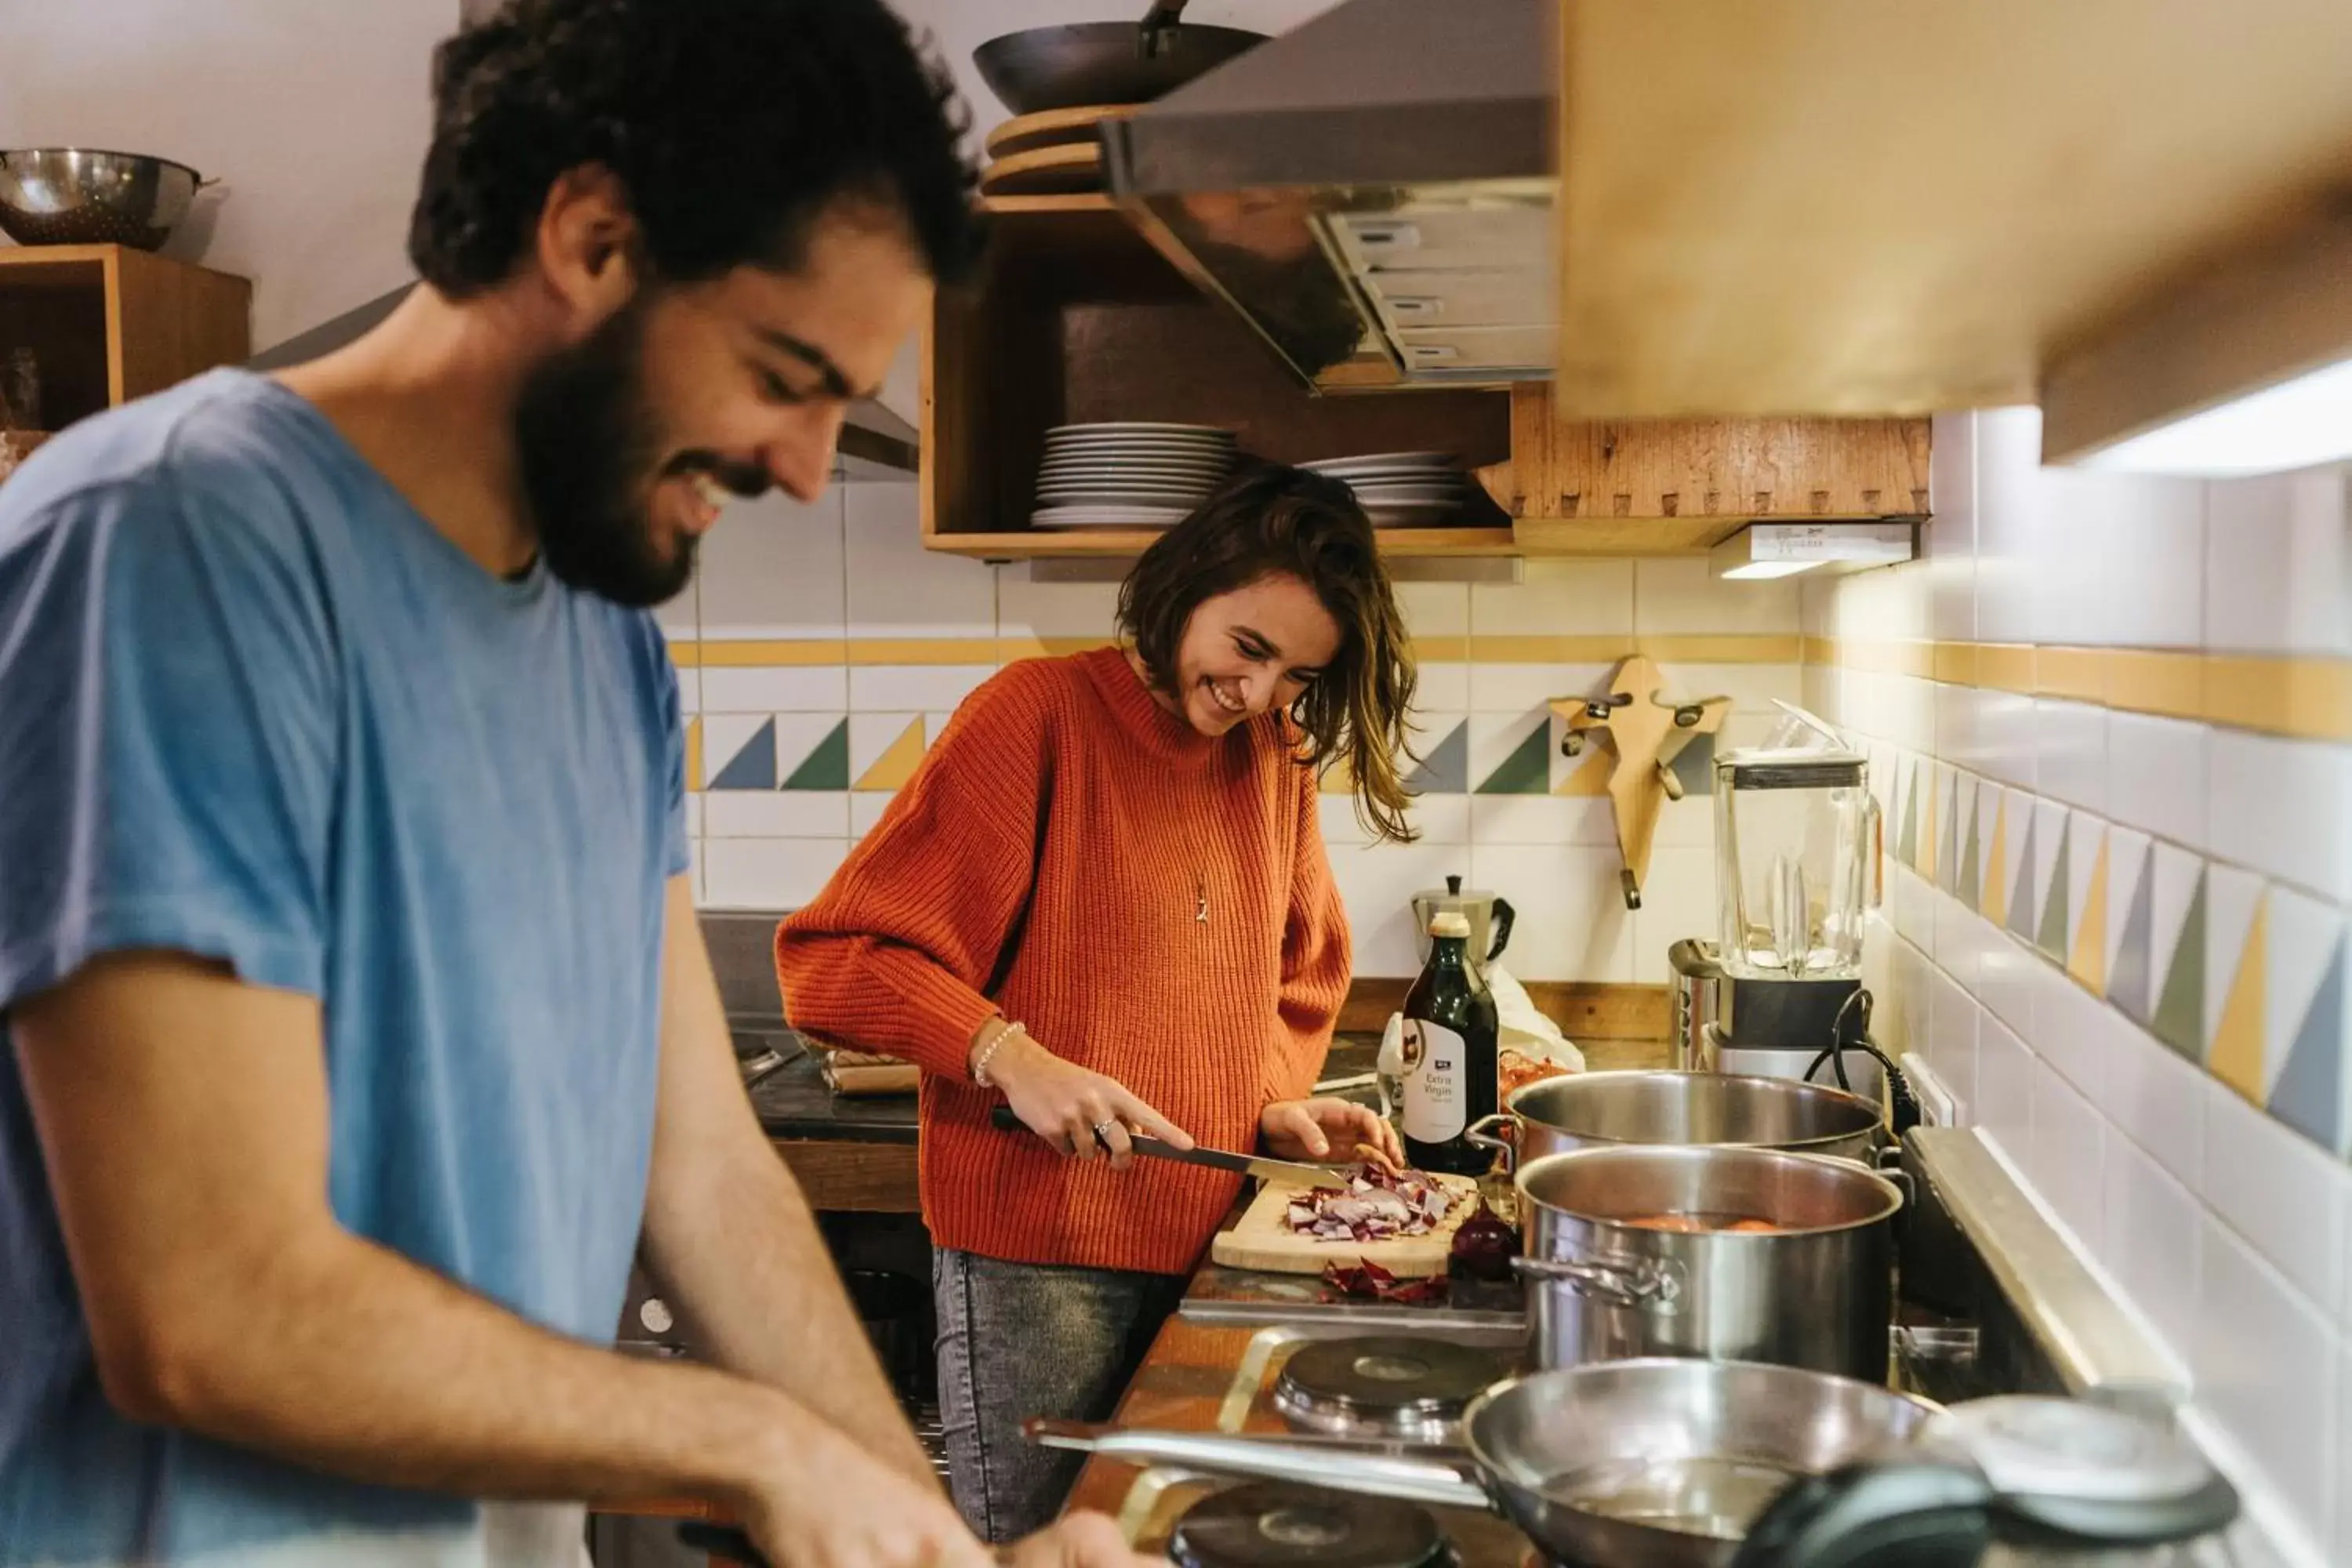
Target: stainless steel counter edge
{"x": 2097, "y": 1346}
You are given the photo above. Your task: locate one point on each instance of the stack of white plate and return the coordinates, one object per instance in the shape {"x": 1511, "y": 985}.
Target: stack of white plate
{"x": 1129, "y": 475}
{"x": 1403, "y": 489}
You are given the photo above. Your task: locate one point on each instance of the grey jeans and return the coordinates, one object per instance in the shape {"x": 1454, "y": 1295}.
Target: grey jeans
{"x": 1018, "y": 1340}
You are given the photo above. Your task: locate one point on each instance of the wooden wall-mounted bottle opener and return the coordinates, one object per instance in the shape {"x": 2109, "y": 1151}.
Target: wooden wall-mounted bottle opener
{"x": 1647, "y": 731}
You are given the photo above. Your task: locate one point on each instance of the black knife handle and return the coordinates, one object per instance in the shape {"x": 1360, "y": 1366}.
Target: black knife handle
{"x": 1004, "y": 1120}
{"x": 721, "y": 1541}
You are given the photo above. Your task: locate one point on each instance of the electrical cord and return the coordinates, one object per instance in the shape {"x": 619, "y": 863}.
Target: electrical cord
{"x": 1902, "y": 1104}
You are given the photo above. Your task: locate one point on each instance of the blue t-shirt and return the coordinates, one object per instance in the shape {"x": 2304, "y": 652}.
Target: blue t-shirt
{"x": 253, "y": 706}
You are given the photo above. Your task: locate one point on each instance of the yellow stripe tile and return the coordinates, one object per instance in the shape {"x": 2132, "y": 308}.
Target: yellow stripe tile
{"x": 774, "y": 653}
{"x": 2005, "y": 666}
{"x": 1448, "y": 648}
{"x": 2236, "y": 1057}
{"x": 694, "y": 753}
{"x": 921, "y": 650}
{"x": 2080, "y": 673}
{"x": 895, "y": 766}
{"x": 2088, "y": 962}
{"x": 2157, "y": 680}
{"x": 2307, "y": 698}
{"x": 1956, "y": 663}
{"x": 1536, "y": 649}
{"x": 1714, "y": 648}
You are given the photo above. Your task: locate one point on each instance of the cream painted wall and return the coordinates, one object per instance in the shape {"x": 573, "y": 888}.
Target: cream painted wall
{"x": 313, "y": 117}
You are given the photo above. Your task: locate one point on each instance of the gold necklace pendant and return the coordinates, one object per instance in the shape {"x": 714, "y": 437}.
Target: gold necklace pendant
{"x": 1200, "y": 900}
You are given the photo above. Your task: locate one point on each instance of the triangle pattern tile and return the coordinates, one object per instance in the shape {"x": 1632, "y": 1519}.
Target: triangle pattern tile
{"x": 2048, "y": 859}
{"x": 2235, "y": 1054}
{"x": 1528, "y": 769}
{"x": 2127, "y": 982}
{"x": 827, "y": 767}
{"x": 2175, "y": 877}
{"x": 1445, "y": 770}
{"x": 753, "y": 766}
{"x": 1995, "y": 907}
{"x": 2088, "y": 962}
{"x": 1906, "y": 837}
{"x": 1971, "y": 880}
{"x": 1589, "y": 775}
{"x": 2309, "y": 1094}
{"x": 2127, "y": 852}
{"x": 1694, "y": 766}
{"x": 1948, "y": 840}
{"x": 2020, "y": 923}
{"x": 2305, "y": 937}
{"x": 2234, "y": 904}
{"x": 898, "y": 761}
{"x": 1928, "y": 785}
{"x": 2179, "y": 1017}
{"x": 2052, "y": 936}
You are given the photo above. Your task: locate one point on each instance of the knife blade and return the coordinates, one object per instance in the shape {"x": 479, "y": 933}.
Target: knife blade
{"x": 1218, "y": 1159}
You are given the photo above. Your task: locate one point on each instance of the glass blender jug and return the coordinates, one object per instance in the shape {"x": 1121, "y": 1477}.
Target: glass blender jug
{"x": 1796, "y": 836}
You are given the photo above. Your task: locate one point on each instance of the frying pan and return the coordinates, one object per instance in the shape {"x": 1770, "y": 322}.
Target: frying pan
{"x": 1659, "y": 1463}
{"x": 1106, "y": 62}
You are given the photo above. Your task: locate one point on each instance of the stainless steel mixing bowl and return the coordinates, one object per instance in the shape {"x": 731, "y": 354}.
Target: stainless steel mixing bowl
{"x": 84, "y": 196}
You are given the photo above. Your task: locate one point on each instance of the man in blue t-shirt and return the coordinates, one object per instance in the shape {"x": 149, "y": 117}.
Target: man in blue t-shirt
{"x": 357, "y": 1027}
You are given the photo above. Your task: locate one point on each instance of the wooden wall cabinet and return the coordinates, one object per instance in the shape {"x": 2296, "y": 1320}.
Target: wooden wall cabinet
{"x": 1075, "y": 316}
{"x": 107, "y": 324}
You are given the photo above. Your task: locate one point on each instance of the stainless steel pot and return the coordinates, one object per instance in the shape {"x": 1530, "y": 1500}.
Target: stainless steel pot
{"x": 1607, "y": 1110}
{"x": 1818, "y": 1294}
{"x": 1641, "y": 1464}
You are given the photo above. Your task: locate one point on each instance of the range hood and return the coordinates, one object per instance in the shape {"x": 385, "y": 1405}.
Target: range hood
{"x": 1372, "y": 191}
{"x": 876, "y": 444}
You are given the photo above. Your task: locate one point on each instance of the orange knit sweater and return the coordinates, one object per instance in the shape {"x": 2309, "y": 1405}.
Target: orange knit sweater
{"x": 1047, "y": 861}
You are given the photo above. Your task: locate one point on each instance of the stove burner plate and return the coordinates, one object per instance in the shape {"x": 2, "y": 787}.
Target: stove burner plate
{"x": 1384, "y": 1385}
{"x": 1273, "y": 1524}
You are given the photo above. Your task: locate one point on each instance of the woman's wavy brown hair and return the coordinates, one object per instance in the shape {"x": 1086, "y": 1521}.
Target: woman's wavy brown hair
{"x": 1270, "y": 520}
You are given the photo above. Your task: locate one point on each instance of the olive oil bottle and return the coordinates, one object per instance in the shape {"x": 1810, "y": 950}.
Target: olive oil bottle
{"x": 1449, "y": 1054}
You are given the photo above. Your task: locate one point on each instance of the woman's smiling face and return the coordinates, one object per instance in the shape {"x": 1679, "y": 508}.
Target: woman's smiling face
{"x": 1251, "y": 651}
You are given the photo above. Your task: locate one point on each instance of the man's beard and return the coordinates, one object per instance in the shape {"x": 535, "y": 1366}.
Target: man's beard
{"x": 590, "y": 453}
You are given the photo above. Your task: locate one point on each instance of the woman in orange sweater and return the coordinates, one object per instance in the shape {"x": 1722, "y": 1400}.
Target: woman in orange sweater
{"x": 1103, "y": 899}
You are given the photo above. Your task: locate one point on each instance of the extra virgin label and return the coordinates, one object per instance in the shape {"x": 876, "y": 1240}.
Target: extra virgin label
{"x": 1436, "y": 1082}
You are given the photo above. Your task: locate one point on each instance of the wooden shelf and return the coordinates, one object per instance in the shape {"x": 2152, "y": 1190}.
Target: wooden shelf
{"x": 1123, "y": 544}
{"x": 109, "y": 324}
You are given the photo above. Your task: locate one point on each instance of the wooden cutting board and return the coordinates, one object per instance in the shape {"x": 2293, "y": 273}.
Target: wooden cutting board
{"x": 1262, "y": 1239}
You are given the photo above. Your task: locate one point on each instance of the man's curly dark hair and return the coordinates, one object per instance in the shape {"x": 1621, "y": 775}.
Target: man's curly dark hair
{"x": 731, "y": 123}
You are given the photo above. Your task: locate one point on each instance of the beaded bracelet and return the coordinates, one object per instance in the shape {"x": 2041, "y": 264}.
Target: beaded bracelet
{"x": 988, "y": 1053}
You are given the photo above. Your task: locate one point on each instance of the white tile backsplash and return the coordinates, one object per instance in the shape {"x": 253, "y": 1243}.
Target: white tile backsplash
{"x": 2278, "y": 563}
{"x": 1680, "y": 595}
{"x": 2068, "y": 1155}
{"x": 1556, "y": 598}
{"x": 805, "y": 689}
{"x": 2150, "y": 1240}
{"x": 768, "y": 873}
{"x": 2156, "y": 1097}
{"x": 773, "y": 568}
{"x": 2005, "y": 1078}
{"x": 2277, "y": 1189}
{"x": 899, "y": 589}
{"x": 2284, "y": 808}
{"x": 2261, "y": 1349}
{"x": 2071, "y": 753}
{"x": 2156, "y": 776}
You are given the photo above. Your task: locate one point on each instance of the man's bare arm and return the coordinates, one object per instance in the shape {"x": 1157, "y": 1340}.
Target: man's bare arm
{"x": 183, "y": 1115}
{"x": 730, "y": 1239}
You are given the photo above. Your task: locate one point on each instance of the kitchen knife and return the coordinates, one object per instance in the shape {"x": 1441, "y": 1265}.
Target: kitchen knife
{"x": 1217, "y": 1159}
